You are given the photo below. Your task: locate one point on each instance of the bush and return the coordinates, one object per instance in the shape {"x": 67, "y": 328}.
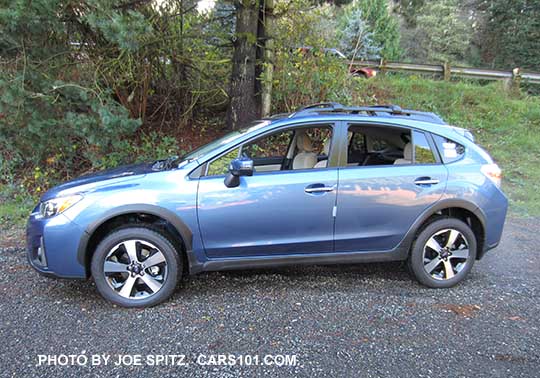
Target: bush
{"x": 148, "y": 148}
{"x": 303, "y": 72}
{"x": 302, "y": 79}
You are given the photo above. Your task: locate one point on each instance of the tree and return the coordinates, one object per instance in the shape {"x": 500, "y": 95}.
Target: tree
{"x": 243, "y": 103}
{"x": 409, "y": 10}
{"x": 443, "y": 34}
{"x": 511, "y": 35}
{"x": 356, "y": 41}
{"x": 382, "y": 25}
{"x": 267, "y": 24}
{"x": 51, "y": 104}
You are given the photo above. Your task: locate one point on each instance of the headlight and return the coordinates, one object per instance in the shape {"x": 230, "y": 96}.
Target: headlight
{"x": 58, "y": 205}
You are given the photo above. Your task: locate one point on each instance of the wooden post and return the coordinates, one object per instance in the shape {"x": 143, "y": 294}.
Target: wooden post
{"x": 382, "y": 66}
{"x": 516, "y": 79}
{"x": 447, "y": 72}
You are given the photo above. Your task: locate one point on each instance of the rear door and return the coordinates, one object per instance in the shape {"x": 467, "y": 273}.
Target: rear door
{"x": 378, "y": 202}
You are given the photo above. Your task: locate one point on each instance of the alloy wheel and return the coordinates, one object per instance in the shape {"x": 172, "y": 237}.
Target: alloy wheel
{"x": 135, "y": 269}
{"x": 446, "y": 253}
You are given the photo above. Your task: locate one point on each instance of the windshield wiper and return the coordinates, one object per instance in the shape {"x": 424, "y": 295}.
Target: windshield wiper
{"x": 163, "y": 164}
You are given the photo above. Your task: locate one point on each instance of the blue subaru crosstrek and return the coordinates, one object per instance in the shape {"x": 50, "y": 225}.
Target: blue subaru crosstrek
{"x": 327, "y": 184}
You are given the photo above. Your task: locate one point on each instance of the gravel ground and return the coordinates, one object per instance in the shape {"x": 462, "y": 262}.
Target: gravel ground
{"x": 367, "y": 320}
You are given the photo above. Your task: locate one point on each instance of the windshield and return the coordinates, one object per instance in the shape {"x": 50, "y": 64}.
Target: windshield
{"x": 229, "y": 137}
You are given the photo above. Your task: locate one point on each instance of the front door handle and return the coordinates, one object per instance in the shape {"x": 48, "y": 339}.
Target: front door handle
{"x": 319, "y": 188}
{"x": 425, "y": 181}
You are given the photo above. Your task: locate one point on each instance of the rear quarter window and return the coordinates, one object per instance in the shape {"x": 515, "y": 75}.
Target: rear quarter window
{"x": 450, "y": 151}
{"x": 422, "y": 150}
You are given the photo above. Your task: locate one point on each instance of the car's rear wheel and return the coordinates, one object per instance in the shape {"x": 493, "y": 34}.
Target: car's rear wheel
{"x": 136, "y": 267}
{"x": 443, "y": 253}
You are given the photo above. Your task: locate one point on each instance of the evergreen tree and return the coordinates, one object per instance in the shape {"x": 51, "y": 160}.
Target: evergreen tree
{"x": 511, "y": 36}
{"x": 382, "y": 25}
{"x": 356, "y": 41}
{"x": 444, "y": 34}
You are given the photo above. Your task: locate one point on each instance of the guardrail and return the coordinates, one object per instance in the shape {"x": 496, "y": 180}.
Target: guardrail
{"x": 447, "y": 71}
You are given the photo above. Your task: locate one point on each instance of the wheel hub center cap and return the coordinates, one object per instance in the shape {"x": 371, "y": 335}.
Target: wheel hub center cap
{"x": 136, "y": 268}
{"x": 445, "y": 253}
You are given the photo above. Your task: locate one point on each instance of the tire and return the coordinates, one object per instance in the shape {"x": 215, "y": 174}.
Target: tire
{"x": 136, "y": 267}
{"x": 452, "y": 262}
{"x": 361, "y": 75}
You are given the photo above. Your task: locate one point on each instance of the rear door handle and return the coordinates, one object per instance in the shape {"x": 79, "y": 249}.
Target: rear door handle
{"x": 315, "y": 188}
{"x": 425, "y": 181}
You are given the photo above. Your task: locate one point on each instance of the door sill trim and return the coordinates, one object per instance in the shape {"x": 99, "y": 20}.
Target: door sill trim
{"x": 253, "y": 262}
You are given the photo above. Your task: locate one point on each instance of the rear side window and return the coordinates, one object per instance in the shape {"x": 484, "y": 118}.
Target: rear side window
{"x": 422, "y": 149}
{"x": 450, "y": 150}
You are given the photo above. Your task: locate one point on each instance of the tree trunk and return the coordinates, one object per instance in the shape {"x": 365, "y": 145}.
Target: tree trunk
{"x": 243, "y": 104}
{"x": 268, "y": 67}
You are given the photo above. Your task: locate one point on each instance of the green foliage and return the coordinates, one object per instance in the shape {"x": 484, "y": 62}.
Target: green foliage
{"x": 128, "y": 30}
{"x": 301, "y": 79}
{"x": 79, "y": 77}
{"x": 382, "y": 25}
{"x": 14, "y": 213}
{"x": 221, "y": 166}
{"x": 299, "y": 25}
{"x": 409, "y": 10}
{"x": 511, "y": 35}
{"x": 307, "y": 76}
{"x": 356, "y": 40}
{"x": 442, "y": 33}
{"x": 148, "y": 147}
{"x": 51, "y": 112}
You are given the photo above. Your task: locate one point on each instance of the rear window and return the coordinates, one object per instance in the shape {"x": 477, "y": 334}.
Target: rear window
{"x": 450, "y": 150}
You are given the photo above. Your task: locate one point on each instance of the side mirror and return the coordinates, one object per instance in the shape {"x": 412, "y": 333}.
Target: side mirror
{"x": 242, "y": 166}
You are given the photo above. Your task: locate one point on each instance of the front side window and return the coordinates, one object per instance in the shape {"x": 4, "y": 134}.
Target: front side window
{"x": 290, "y": 149}
{"x": 220, "y": 166}
{"x": 227, "y": 138}
{"x": 422, "y": 150}
{"x": 271, "y": 146}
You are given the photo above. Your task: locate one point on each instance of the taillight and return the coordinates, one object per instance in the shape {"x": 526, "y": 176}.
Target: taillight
{"x": 493, "y": 172}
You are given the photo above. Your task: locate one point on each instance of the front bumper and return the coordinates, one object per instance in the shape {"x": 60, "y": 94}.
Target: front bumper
{"x": 51, "y": 246}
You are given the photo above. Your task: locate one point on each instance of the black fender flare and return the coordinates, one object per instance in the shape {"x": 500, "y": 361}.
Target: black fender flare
{"x": 182, "y": 229}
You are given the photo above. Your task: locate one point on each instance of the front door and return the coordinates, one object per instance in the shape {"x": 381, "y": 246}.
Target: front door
{"x": 278, "y": 210}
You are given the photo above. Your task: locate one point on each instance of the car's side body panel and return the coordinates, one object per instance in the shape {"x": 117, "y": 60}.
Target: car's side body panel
{"x": 267, "y": 214}
{"x": 467, "y": 183}
{"x": 376, "y": 206}
{"x": 170, "y": 195}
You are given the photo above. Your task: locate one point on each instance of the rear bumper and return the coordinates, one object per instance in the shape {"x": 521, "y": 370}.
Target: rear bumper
{"x": 51, "y": 246}
{"x": 495, "y": 216}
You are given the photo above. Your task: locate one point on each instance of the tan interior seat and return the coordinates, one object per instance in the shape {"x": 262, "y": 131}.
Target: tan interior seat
{"x": 325, "y": 151}
{"x": 305, "y": 158}
{"x": 407, "y": 155}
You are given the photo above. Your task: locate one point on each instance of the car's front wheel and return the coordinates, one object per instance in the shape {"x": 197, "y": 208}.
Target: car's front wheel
{"x": 443, "y": 253}
{"x": 136, "y": 267}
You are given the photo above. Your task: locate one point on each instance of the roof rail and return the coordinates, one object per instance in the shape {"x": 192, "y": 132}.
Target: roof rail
{"x": 374, "y": 110}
